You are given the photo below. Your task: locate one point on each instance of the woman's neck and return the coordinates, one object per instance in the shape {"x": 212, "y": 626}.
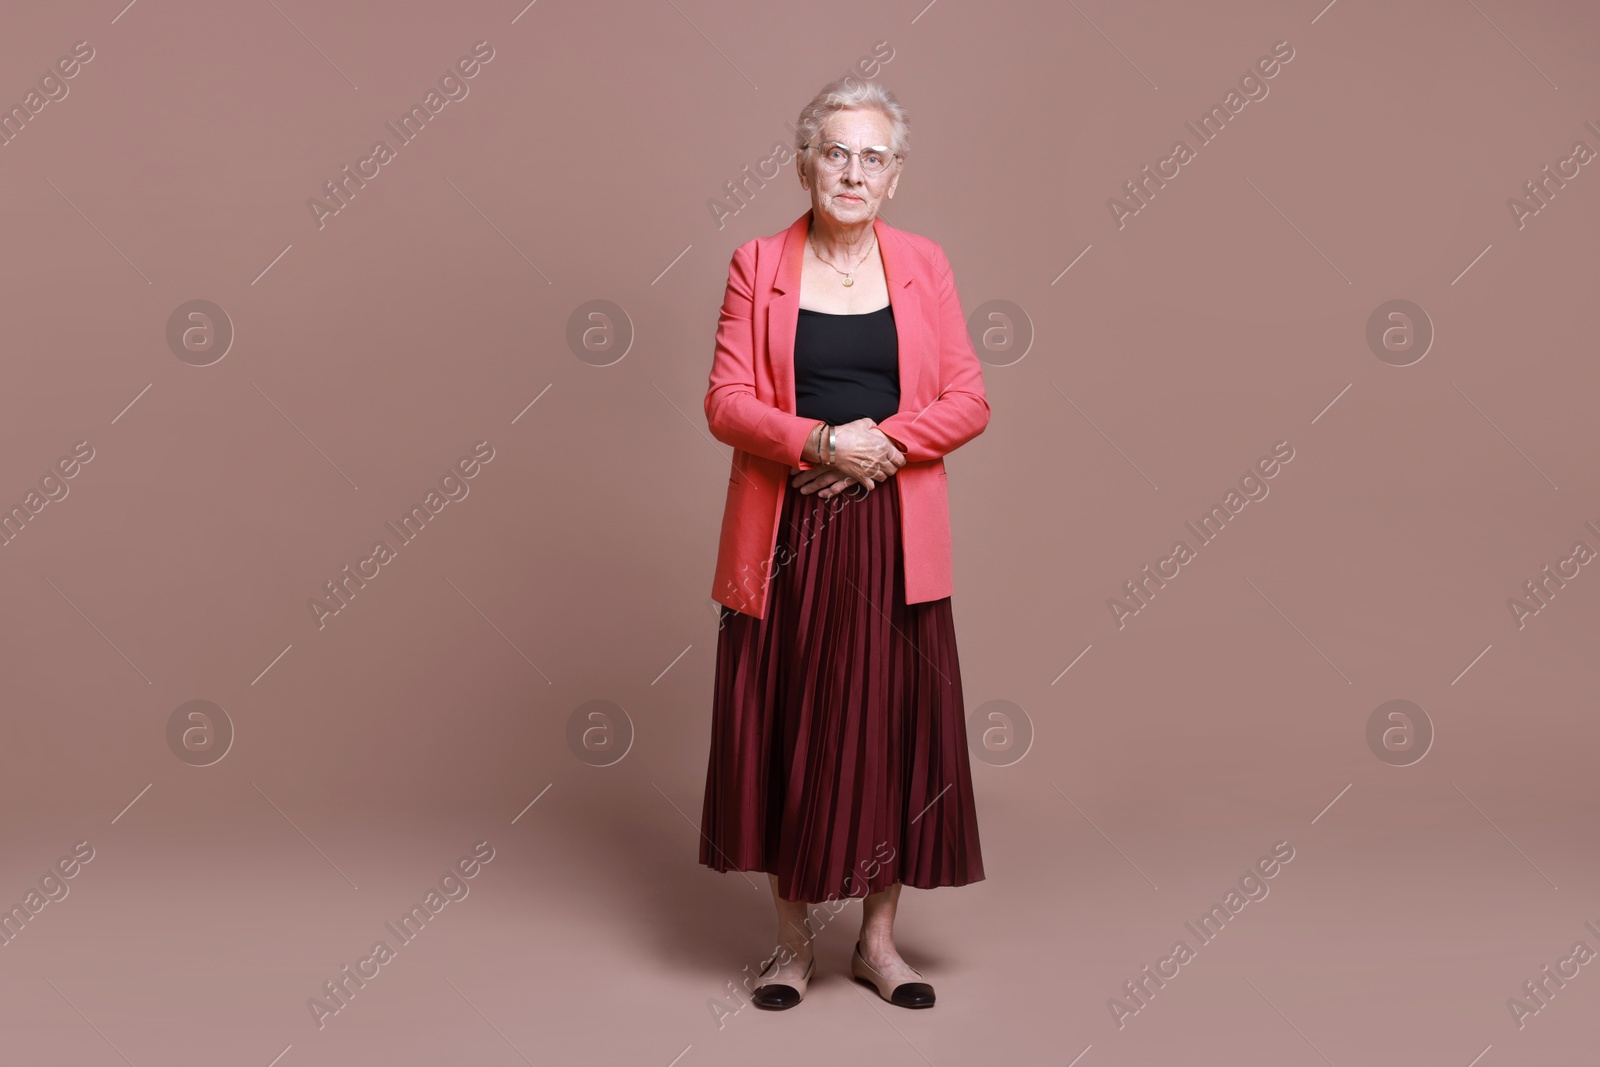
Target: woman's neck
{"x": 840, "y": 241}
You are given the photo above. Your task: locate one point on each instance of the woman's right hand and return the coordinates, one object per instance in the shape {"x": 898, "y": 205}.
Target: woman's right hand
{"x": 865, "y": 453}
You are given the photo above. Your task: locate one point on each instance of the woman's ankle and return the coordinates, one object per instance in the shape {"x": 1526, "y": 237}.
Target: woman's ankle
{"x": 876, "y": 939}
{"x": 789, "y": 948}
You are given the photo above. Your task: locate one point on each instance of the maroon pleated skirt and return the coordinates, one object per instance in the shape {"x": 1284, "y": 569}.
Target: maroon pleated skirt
{"x": 838, "y": 738}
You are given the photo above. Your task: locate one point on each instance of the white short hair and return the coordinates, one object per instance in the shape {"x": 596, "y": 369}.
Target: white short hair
{"x": 846, "y": 93}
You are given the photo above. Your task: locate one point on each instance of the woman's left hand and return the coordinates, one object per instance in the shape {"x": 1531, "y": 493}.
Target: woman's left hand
{"x": 824, "y": 481}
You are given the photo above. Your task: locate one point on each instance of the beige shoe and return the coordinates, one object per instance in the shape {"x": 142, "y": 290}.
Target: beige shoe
{"x": 774, "y": 995}
{"x": 905, "y": 994}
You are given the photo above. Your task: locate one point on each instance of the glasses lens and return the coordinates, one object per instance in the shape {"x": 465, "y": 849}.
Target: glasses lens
{"x": 837, "y": 157}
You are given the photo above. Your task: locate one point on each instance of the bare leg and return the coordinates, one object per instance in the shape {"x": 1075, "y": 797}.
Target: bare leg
{"x": 877, "y": 935}
{"x": 796, "y": 939}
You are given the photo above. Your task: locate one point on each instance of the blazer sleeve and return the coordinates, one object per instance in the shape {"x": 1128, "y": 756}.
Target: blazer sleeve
{"x": 735, "y": 415}
{"x": 961, "y": 410}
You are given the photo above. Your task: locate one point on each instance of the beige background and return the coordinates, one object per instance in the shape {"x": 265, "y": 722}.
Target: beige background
{"x": 372, "y": 353}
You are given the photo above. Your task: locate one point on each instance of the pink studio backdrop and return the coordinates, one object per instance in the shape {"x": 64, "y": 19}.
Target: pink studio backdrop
{"x": 1378, "y": 268}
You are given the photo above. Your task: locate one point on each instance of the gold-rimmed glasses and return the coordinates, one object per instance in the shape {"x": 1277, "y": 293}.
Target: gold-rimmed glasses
{"x": 835, "y": 155}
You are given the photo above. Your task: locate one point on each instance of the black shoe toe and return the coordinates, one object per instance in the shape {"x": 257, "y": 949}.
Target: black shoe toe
{"x": 913, "y": 995}
{"x": 775, "y": 997}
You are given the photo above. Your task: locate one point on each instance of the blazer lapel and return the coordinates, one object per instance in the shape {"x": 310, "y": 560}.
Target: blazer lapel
{"x": 898, "y": 271}
{"x": 783, "y": 310}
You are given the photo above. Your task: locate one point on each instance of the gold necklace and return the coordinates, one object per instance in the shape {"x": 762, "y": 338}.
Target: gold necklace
{"x": 847, "y": 279}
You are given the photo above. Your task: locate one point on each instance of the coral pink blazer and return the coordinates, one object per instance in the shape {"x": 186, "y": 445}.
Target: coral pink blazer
{"x": 750, "y": 405}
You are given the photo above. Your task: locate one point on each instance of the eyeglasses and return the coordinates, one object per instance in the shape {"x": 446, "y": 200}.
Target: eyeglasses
{"x": 874, "y": 158}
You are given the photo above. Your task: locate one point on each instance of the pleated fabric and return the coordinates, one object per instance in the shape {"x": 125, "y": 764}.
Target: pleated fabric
{"x": 838, "y": 741}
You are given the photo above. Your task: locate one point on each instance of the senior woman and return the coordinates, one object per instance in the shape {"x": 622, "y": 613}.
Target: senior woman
{"x": 843, "y": 374}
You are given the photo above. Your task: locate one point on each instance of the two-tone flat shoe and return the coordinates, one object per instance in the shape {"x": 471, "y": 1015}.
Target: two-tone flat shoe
{"x": 774, "y": 995}
{"x": 905, "y": 994}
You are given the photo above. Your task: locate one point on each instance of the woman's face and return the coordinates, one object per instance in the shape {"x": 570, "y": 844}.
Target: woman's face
{"x": 851, "y": 195}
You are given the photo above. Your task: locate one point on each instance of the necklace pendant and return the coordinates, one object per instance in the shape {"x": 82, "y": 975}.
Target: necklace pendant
{"x": 847, "y": 280}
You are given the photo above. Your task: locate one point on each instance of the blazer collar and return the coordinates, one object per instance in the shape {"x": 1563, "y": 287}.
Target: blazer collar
{"x": 783, "y": 312}
{"x": 896, "y": 263}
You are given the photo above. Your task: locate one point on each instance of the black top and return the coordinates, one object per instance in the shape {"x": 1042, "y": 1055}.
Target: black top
{"x": 846, "y": 367}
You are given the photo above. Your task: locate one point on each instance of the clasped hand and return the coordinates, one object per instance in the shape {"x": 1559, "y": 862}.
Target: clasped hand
{"x": 866, "y": 456}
